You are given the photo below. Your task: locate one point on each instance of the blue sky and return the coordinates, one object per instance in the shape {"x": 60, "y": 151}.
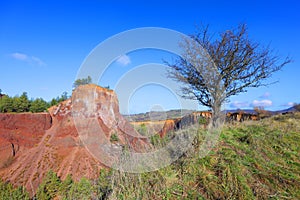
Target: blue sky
{"x": 44, "y": 43}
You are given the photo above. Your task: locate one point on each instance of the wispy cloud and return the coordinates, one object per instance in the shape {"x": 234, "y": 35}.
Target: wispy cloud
{"x": 19, "y": 56}
{"x": 38, "y": 61}
{"x": 124, "y": 60}
{"x": 265, "y": 95}
{"x": 33, "y": 60}
{"x": 289, "y": 104}
{"x": 262, "y": 103}
{"x": 239, "y": 104}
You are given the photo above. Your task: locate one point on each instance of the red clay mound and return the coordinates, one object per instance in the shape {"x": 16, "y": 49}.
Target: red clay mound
{"x": 60, "y": 148}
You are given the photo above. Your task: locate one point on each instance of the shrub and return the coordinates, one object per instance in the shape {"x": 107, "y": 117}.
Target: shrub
{"x": 114, "y": 137}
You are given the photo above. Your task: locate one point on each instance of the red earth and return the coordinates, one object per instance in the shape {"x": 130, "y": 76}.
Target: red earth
{"x": 33, "y": 143}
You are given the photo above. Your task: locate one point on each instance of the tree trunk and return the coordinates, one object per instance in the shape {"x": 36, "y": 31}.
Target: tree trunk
{"x": 217, "y": 115}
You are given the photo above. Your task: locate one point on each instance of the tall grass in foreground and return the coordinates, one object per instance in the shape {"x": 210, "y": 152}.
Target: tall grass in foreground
{"x": 253, "y": 160}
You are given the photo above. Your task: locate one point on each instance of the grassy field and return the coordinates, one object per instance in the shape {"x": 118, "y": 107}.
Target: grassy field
{"x": 252, "y": 160}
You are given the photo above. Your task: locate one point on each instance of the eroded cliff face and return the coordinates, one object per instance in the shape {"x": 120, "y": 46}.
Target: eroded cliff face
{"x": 184, "y": 122}
{"x": 20, "y": 132}
{"x": 51, "y": 140}
{"x": 204, "y": 117}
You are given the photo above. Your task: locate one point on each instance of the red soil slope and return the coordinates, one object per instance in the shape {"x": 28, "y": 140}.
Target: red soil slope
{"x": 51, "y": 141}
{"x": 20, "y": 132}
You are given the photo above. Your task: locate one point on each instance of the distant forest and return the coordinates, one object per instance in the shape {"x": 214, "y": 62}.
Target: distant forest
{"x": 18, "y": 104}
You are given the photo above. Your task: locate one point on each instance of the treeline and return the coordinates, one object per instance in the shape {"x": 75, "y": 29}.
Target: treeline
{"x": 22, "y": 103}
{"x": 53, "y": 187}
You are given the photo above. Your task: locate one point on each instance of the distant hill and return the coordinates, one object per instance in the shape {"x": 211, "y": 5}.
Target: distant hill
{"x": 174, "y": 114}
{"x": 158, "y": 115}
{"x": 291, "y": 109}
{"x": 250, "y": 111}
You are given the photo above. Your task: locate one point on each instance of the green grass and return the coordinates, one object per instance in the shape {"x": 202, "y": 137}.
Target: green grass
{"x": 253, "y": 160}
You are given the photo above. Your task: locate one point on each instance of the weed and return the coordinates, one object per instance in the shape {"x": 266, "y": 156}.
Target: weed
{"x": 114, "y": 137}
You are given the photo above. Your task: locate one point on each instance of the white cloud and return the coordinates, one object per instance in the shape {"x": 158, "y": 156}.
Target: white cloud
{"x": 239, "y": 104}
{"x": 265, "y": 95}
{"x": 19, "y": 56}
{"x": 262, "y": 103}
{"x": 28, "y": 59}
{"x": 289, "y": 104}
{"x": 124, "y": 60}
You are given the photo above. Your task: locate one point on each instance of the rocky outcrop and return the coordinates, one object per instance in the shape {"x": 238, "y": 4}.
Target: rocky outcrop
{"x": 188, "y": 120}
{"x": 170, "y": 125}
{"x": 53, "y": 141}
{"x": 241, "y": 116}
{"x": 204, "y": 116}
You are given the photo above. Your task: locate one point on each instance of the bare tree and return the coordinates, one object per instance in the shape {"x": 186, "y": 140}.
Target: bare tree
{"x": 213, "y": 68}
